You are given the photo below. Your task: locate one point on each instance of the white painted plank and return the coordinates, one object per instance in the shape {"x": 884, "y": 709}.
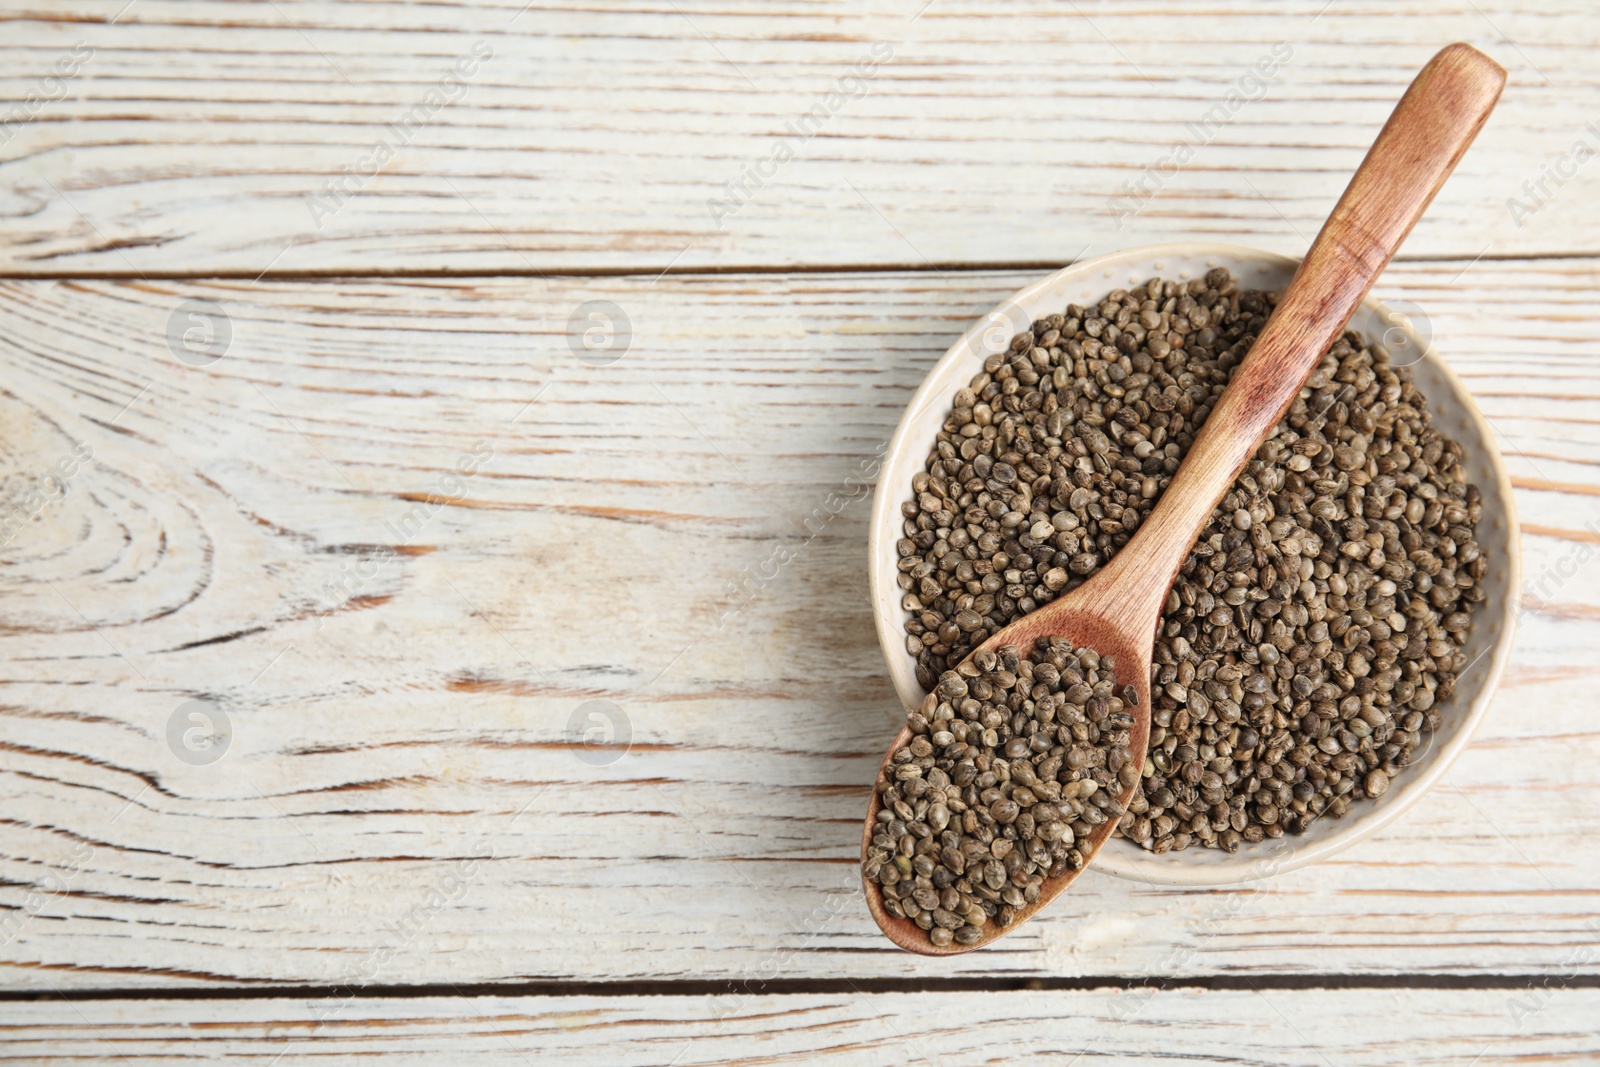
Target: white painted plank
{"x": 194, "y": 134}
{"x": 417, "y": 731}
{"x": 1311, "y": 1027}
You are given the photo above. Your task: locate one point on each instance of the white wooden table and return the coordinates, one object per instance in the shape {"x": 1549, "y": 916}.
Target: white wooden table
{"x": 365, "y": 502}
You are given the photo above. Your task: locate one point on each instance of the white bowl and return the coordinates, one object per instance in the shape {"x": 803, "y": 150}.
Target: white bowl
{"x": 1454, "y": 414}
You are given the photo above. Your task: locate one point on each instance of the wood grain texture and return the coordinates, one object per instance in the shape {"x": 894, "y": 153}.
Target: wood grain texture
{"x": 200, "y": 136}
{"x": 1313, "y": 1028}
{"x": 404, "y": 658}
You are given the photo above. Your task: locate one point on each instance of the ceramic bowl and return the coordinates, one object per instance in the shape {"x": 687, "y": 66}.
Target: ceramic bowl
{"x": 1454, "y": 414}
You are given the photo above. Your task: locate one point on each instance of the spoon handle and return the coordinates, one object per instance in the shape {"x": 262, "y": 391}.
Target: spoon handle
{"x": 1425, "y": 137}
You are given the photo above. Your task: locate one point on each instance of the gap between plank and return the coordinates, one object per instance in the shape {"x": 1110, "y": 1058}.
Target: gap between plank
{"x": 921, "y": 267}
{"x": 829, "y": 987}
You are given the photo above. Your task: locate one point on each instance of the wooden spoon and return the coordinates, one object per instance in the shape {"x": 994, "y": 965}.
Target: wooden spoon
{"x": 1116, "y": 611}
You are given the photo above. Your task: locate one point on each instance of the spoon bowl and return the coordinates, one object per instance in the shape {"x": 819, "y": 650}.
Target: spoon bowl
{"x": 1085, "y": 624}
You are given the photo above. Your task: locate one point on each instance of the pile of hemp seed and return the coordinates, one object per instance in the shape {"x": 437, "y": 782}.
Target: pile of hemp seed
{"x": 1013, "y": 760}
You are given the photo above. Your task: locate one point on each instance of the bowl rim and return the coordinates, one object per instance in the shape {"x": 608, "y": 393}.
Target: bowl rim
{"x": 1138, "y": 865}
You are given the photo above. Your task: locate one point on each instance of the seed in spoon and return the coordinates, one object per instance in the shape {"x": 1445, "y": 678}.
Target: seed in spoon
{"x": 1014, "y": 757}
